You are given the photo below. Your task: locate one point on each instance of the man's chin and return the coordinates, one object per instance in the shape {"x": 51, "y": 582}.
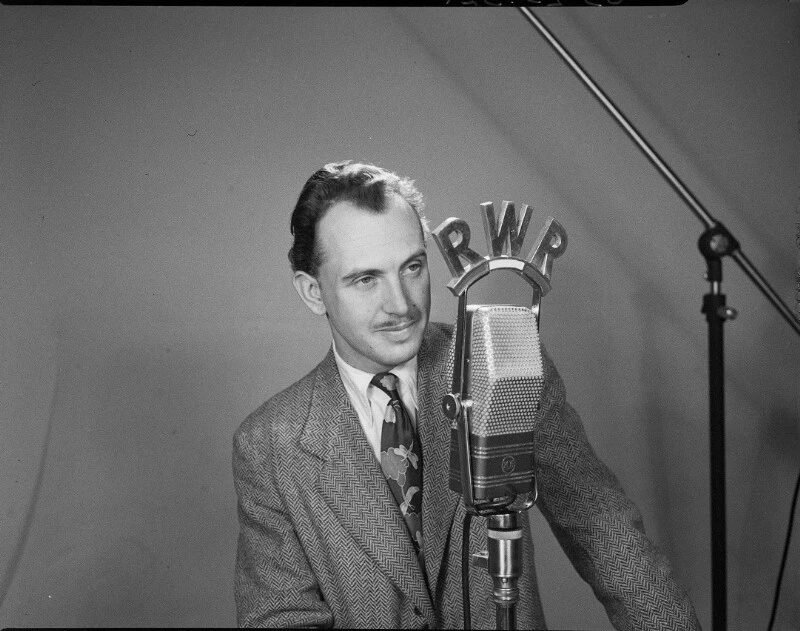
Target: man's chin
{"x": 402, "y": 345}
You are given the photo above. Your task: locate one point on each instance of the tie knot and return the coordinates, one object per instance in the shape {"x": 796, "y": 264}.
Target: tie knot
{"x": 387, "y": 382}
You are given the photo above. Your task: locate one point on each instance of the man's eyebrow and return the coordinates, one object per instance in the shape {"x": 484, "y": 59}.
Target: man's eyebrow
{"x": 422, "y": 253}
{"x": 361, "y": 272}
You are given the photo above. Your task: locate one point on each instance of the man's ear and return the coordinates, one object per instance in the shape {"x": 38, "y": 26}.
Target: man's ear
{"x": 308, "y": 289}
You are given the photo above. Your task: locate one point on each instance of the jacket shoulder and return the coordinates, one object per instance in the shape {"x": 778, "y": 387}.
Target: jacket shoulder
{"x": 439, "y": 335}
{"x": 283, "y": 413}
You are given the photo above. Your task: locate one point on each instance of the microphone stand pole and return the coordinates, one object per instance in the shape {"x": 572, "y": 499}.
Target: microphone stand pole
{"x": 504, "y": 538}
{"x": 714, "y": 243}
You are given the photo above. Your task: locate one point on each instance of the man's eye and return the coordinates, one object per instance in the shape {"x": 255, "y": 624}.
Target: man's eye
{"x": 365, "y": 280}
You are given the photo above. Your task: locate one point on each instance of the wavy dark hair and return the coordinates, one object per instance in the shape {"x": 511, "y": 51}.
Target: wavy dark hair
{"x": 364, "y": 185}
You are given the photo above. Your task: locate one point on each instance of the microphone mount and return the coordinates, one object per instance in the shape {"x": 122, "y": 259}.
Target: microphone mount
{"x": 505, "y": 236}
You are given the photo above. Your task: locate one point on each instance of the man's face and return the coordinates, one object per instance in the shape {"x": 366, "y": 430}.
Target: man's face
{"x": 374, "y": 283}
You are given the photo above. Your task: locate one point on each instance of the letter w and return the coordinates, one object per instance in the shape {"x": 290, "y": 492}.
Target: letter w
{"x": 505, "y": 236}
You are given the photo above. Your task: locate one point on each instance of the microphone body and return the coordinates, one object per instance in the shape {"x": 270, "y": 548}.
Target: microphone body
{"x": 503, "y": 378}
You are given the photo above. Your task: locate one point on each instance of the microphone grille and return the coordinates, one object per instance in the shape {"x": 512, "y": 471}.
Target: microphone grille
{"x": 506, "y": 373}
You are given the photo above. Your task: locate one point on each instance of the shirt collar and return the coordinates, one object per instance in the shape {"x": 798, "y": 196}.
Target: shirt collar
{"x": 360, "y": 380}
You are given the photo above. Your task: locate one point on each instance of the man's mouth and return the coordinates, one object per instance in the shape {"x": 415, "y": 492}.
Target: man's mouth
{"x": 396, "y": 327}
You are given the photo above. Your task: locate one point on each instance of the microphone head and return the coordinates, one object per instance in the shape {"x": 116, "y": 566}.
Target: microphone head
{"x": 504, "y": 378}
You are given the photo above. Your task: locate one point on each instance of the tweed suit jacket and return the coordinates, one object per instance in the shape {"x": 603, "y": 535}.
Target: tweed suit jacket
{"x": 322, "y": 541}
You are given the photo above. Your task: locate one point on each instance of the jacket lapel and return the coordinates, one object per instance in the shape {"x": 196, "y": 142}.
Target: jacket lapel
{"x": 434, "y": 374}
{"x": 352, "y": 484}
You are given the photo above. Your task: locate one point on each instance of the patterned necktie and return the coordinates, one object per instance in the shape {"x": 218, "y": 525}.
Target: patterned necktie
{"x": 401, "y": 458}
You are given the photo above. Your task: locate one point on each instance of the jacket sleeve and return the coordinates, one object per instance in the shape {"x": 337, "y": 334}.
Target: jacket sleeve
{"x": 598, "y": 526}
{"x": 274, "y": 585}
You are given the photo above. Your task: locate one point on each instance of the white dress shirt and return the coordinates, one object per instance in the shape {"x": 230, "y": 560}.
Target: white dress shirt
{"x": 370, "y": 402}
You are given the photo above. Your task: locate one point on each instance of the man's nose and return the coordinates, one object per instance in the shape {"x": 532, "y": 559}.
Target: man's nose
{"x": 396, "y": 299}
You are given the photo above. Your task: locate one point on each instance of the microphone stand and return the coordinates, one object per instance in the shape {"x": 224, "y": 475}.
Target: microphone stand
{"x": 714, "y": 243}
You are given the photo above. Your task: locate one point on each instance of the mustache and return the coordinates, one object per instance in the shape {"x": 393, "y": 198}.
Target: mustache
{"x": 412, "y": 318}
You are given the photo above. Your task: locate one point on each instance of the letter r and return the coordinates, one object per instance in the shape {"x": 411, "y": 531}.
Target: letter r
{"x": 452, "y": 236}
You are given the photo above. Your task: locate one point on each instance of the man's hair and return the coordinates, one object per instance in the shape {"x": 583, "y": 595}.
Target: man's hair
{"x": 364, "y": 185}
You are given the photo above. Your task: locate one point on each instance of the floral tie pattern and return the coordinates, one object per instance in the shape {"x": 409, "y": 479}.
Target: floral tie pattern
{"x": 401, "y": 458}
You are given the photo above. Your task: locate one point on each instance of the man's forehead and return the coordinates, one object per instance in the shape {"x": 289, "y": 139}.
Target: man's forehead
{"x": 348, "y": 218}
{"x": 354, "y": 232}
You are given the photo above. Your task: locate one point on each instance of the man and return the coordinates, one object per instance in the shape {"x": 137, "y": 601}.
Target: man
{"x": 332, "y": 529}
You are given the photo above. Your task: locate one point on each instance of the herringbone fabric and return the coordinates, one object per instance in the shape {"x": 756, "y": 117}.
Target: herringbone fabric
{"x": 322, "y": 543}
{"x": 401, "y": 457}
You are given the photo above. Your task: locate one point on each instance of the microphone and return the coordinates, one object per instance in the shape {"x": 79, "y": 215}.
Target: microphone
{"x": 498, "y": 375}
{"x": 503, "y": 382}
